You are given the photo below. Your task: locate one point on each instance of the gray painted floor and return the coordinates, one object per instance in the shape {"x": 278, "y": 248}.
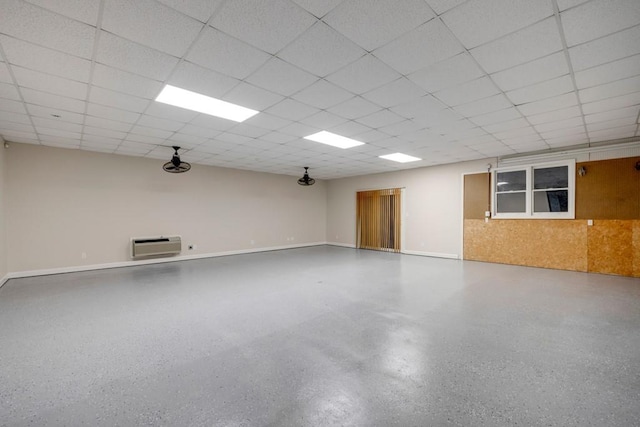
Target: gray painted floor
{"x": 321, "y": 336}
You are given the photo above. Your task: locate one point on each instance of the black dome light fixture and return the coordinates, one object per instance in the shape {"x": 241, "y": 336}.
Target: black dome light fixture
{"x": 175, "y": 165}
{"x": 306, "y": 180}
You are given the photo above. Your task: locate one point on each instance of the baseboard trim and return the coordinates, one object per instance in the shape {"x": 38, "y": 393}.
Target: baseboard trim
{"x": 432, "y": 254}
{"x": 78, "y": 268}
{"x": 344, "y": 245}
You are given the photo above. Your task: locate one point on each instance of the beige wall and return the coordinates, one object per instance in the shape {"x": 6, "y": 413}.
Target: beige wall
{"x": 3, "y": 240}
{"x": 63, "y": 203}
{"x": 432, "y": 206}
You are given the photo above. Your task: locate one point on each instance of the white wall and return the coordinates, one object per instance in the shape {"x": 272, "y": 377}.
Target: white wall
{"x": 63, "y": 203}
{"x": 3, "y": 240}
{"x": 432, "y": 206}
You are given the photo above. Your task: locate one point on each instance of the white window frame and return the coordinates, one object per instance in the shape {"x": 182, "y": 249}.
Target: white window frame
{"x": 528, "y": 213}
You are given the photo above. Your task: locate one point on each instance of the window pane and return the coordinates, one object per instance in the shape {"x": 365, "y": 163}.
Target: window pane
{"x": 556, "y": 177}
{"x": 512, "y": 181}
{"x": 511, "y": 202}
{"x": 551, "y": 201}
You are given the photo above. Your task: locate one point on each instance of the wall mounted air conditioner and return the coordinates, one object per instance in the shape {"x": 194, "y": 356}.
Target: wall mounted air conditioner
{"x": 155, "y": 246}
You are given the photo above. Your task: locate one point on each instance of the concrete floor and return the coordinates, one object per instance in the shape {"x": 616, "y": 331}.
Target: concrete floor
{"x": 321, "y": 336}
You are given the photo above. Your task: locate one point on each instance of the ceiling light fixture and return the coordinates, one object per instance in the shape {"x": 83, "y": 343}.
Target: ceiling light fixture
{"x": 334, "y": 140}
{"x": 306, "y": 180}
{"x": 400, "y": 158}
{"x": 204, "y": 104}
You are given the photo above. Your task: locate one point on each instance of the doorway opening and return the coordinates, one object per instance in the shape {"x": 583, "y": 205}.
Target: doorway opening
{"x": 378, "y": 219}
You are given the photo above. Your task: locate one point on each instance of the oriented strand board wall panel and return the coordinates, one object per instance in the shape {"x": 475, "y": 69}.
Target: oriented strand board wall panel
{"x": 609, "y": 190}
{"x": 559, "y": 244}
{"x": 636, "y": 248}
{"x": 477, "y": 198}
{"x": 611, "y": 248}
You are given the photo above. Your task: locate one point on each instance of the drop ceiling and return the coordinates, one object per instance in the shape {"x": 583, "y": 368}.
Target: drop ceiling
{"x": 441, "y": 80}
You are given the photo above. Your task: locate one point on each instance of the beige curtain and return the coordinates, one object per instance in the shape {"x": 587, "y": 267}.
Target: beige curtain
{"x": 378, "y": 219}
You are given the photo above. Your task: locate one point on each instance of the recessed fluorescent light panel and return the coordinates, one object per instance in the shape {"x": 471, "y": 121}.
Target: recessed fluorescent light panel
{"x": 400, "y": 158}
{"x": 334, "y": 140}
{"x": 204, "y": 104}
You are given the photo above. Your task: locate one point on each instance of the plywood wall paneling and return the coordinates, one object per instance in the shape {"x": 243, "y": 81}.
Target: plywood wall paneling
{"x": 610, "y": 189}
{"x": 611, "y": 247}
{"x": 636, "y": 247}
{"x": 536, "y": 243}
{"x": 477, "y": 196}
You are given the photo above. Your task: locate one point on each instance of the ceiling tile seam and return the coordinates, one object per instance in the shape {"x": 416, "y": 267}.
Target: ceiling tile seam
{"x": 181, "y": 60}
{"x": 638, "y": 124}
{"x": 565, "y": 48}
{"x": 602, "y": 37}
{"x": 3, "y": 55}
{"x": 500, "y": 91}
{"x": 94, "y": 54}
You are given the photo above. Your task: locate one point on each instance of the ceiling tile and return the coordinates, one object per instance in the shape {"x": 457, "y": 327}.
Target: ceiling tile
{"x": 202, "y": 80}
{"x": 613, "y": 103}
{"x": 517, "y": 133}
{"x": 318, "y": 8}
{"x": 45, "y": 60}
{"x": 566, "y": 4}
{"x": 16, "y": 118}
{"x": 123, "y": 81}
{"x": 564, "y": 113}
{"x": 323, "y": 120}
{"x": 126, "y": 55}
{"x": 247, "y": 130}
{"x": 380, "y": 119}
{"x": 395, "y": 93}
{"x": 116, "y": 114}
{"x": 505, "y": 126}
{"x": 291, "y": 110}
{"x": 354, "y": 108}
{"x": 471, "y": 91}
{"x": 268, "y": 24}
{"x": 479, "y": 21}
{"x": 151, "y": 24}
{"x": 321, "y": 50}
{"x": 98, "y": 134}
{"x": 560, "y": 124}
{"x": 5, "y": 76}
{"x": 110, "y": 125}
{"x": 50, "y": 100}
{"x": 549, "y": 67}
{"x": 197, "y": 9}
{"x": 210, "y": 122}
{"x": 609, "y": 124}
{"x": 612, "y": 114}
{"x": 426, "y": 45}
{"x": 547, "y": 89}
{"x": 614, "y": 133}
{"x": 160, "y": 123}
{"x": 441, "y": 6}
{"x": 558, "y": 133}
{"x": 606, "y": 49}
{"x": 423, "y": 106}
{"x": 610, "y": 90}
{"x": 147, "y": 131}
{"x": 363, "y": 75}
{"x": 549, "y": 104}
{"x": 453, "y": 71}
{"x": 9, "y": 91}
{"x": 158, "y": 109}
{"x": 48, "y": 83}
{"x": 12, "y": 106}
{"x": 350, "y": 129}
{"x": 59, "y": 115}
{"x": 281, "y": 77}
{"x": 405, "y": 129}
{"x": 496, "y": 117}
{"x": 118, "y": 100}
{"x": 250, "y": 96}
{"x": 322, "y": 95}
{"x": 36, "y": 25}
{"x": 525, "y": 45}
{"x": 442, "y": 121}
{"x": 195, "y": 130}
{"x": 300, "y": 130}
{"x": 81, "y": 10}
{"x": 526, "y": 146}
{"x": 278, "y": 137}
{"x": 267, "y": 121}
{"x": 599, "y": 18}
{"x": 222, "y": 53}
{"x": 609, "y": 72}
{"x": 484, "y": 105}
{"x": 373, "y": 24}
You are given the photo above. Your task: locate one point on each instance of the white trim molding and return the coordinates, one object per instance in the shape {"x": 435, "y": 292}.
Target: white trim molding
{"x": 432, "y": 254}
{"x": 77, "y": 268}
{"x": 344, "y": 245}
